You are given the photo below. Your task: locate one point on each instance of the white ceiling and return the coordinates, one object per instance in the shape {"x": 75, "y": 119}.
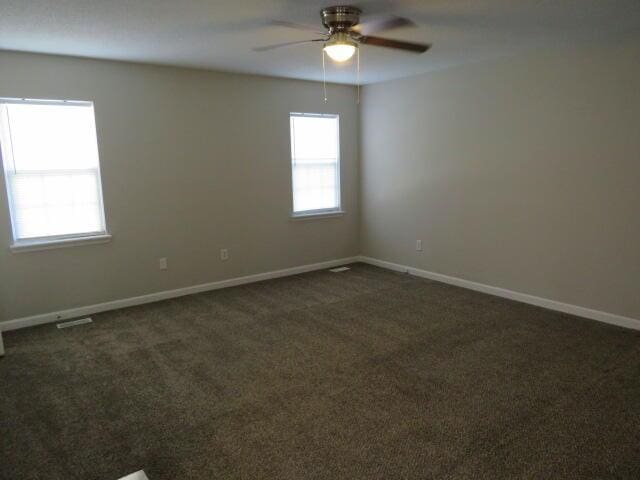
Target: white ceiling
{"x": 219, "y": 34}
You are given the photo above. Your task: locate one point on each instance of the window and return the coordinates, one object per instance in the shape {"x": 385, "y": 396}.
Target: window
{"x": 315, "y": 160}
{"x": 50, "y": 157}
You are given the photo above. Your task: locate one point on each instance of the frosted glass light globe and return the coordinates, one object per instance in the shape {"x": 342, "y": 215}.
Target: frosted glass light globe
{"x": 340, "y": 47}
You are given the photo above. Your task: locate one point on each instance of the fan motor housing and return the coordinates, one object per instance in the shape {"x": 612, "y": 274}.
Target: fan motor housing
{"x": 340, "y": 18}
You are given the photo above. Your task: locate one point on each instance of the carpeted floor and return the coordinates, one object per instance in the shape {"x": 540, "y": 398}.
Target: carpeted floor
{"x": 366, "y": 374}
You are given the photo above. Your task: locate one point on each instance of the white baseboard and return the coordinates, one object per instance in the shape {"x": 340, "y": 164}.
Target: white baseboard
{"x": 598, "y": 315}
{"x": 155, "y": 297}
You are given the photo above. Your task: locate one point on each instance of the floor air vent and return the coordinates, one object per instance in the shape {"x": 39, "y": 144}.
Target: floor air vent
{"x": 339, "y": 269}
{"x": 136, "y": 476}
{"x": 73, "y": 323}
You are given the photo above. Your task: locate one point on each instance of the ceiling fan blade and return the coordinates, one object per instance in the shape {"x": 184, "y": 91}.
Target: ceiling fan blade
{"x": 286, "y": 44}
{"x": 298, "y": 26}
{"x": 381, "y": 24}
{"x": 396, "y": 44}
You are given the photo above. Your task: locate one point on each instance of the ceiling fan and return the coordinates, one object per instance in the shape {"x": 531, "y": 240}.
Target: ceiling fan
{"x": 345, "y": 33}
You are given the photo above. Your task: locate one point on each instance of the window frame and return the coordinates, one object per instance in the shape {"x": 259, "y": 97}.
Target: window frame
{"x": 53, "y": 241}
{"x": 324, "y": 212}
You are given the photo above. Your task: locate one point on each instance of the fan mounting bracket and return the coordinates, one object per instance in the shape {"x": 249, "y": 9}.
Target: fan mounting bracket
{"x": 340, "y": 18}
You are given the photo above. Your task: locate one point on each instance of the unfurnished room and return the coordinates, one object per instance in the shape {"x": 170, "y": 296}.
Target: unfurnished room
{"x": 300, "y": 239}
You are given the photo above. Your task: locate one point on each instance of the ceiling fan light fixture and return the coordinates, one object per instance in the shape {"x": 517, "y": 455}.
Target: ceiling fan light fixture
{"x": 340, "y": 47}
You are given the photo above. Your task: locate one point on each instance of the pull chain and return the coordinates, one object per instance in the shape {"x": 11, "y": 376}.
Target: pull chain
{"x": 358, "y": 73}
{"x": 324, "y": 77}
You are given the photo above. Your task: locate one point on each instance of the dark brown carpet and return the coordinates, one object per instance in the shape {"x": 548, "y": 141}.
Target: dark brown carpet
{"x": 366, "y": 374}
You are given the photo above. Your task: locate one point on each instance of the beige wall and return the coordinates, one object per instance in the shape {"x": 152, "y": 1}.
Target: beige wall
{"x": 192, "y": 162}
{"x": 522, "y": 173}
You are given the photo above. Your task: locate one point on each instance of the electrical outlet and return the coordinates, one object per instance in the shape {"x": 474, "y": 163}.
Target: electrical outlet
{"x": 224, "y": 254}
{"x": 418, "y": 245}
{"x": 162, "y": 263}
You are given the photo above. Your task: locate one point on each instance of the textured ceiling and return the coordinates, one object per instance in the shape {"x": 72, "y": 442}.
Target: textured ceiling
{"x": 219, "y": 34}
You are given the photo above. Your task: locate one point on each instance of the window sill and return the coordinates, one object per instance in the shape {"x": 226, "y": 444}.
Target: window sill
{"x": 317, "y": 215}
{"x": 26, "y": 246}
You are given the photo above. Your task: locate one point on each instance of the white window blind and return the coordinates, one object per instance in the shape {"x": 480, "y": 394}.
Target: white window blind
{"x": 50, "y": 157}
{"x": 315, "y": 159}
